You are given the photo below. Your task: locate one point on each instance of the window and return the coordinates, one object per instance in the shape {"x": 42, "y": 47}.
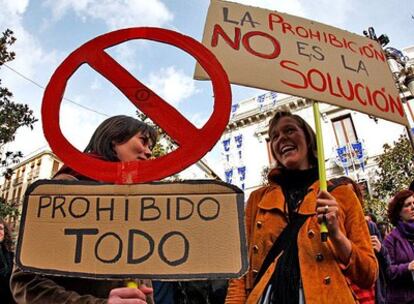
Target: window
{"x": 19, "y": 193}
{"x": 344, "y": 130}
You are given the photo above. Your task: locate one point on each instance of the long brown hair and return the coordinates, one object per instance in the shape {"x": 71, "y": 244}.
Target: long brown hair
{"x": 310, "y": 135}
{"x": 117, "y": 130}
{"x": 7, "y": 241}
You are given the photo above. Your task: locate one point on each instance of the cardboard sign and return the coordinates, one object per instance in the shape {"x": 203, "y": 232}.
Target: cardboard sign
{"x": 279, "y": 52}
{"x": 187, "y": 230}
{"x": 193, "y": 143}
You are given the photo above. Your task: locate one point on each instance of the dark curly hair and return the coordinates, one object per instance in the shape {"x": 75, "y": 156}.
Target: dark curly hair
{"x": 396, "y": 204}
{"x": 117, "y": 130}
{"x": 309, "y": 134}
{"x": 7, "y": 241}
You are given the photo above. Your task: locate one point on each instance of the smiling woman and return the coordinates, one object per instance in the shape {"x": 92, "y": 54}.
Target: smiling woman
{"x": 292, "y": 141}
{"x": 288, "y": 261}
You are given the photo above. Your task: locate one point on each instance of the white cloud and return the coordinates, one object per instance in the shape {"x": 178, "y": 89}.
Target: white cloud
{"x": 78, "y": 125}
{"x": 126, "y": 55}
{"x": 199, "y": 119}
{"x": 96, "y": 84}
{"x": 172, "y": 85}
{"x": 115, "y": 13}
{"x": 60, "y": 7}
{"x": 27, "y": 140}
{"x": 30, "y": 56}
{"x": 16, "y": 7}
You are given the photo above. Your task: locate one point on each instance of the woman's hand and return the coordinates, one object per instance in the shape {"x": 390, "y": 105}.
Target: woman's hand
{"x": 126, "y": 295}
{"x": 411, "y": 266}
{"x": 376, "y": 244}
{"x": 327, "y": 209}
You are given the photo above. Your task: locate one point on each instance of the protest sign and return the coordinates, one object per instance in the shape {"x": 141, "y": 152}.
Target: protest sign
{"x": 184, "y": 230}
{"x": 280, "y": 52}
{"x": 187, "y": 230}
{"x": 193, "y": 143}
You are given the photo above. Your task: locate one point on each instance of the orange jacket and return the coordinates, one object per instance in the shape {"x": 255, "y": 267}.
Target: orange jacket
{"x": 323, "y": 276}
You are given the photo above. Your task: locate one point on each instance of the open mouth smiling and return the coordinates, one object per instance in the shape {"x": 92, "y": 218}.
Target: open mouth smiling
{"x": 286, "y": 149}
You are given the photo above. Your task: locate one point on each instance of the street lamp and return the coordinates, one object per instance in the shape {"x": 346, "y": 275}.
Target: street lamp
{"x": 401, "y": 68}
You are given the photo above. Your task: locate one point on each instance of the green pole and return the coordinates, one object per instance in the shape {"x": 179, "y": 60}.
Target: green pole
{"x": 321, "y": 162}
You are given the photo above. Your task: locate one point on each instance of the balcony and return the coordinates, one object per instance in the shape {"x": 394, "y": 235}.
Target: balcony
{"x": 33, "y": 175}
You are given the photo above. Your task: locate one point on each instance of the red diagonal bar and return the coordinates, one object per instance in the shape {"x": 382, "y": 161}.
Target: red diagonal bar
{"x": 162, "y": 113}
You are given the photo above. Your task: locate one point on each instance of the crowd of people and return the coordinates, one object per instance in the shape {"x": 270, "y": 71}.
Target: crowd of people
{"x": 289, "y": 259}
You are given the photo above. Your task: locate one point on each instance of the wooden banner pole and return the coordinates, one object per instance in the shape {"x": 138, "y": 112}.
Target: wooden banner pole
{"x": 321, "y": 162}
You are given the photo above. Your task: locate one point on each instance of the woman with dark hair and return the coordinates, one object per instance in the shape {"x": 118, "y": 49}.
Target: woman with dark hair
{"x": 119, "y": 138}
{"x": 288, "y": 261}
{"x": 400, "y": 245}
{"x": 6, "y": 262}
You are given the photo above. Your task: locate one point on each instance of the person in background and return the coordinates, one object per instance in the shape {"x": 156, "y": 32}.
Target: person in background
{"x": 383, "y": 228}
{"x": 288, "y": 261}
{"x": 400, "y": 245}
{"x": 370, "y": 217}
{"x": 6, "y": 262}
{"x": 383, "y": 259}
{"x": 118, "y": 138}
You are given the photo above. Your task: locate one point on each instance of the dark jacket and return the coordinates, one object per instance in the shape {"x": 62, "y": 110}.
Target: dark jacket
{"x": 6, "y": 265}
{"x": 36, "y": 289}
{"x": 401, "y": 284}
{"x": 383, "y": 259}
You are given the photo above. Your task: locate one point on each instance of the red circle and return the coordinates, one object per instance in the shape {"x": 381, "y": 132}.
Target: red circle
{"x": 193, "y": 143}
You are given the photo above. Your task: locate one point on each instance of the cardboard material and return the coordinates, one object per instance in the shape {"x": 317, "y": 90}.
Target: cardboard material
{"x": 280, "y": 52}
{"x": 185, "y": 230}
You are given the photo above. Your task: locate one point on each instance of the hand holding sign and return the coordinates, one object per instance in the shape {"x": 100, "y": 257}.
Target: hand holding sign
{"x": 193, "y": 142}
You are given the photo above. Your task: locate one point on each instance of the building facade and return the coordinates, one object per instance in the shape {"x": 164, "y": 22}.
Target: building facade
{"x": 42, "y": 165}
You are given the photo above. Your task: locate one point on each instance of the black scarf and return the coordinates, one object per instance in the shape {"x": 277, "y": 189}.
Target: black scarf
{"x": 285, "y": 280}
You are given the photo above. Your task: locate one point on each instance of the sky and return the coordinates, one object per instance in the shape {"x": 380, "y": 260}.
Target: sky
{"x": 47, "y": 31}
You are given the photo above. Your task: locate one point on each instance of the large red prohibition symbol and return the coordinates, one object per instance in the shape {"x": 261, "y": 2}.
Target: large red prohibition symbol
{"x": 193, "y": 143}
